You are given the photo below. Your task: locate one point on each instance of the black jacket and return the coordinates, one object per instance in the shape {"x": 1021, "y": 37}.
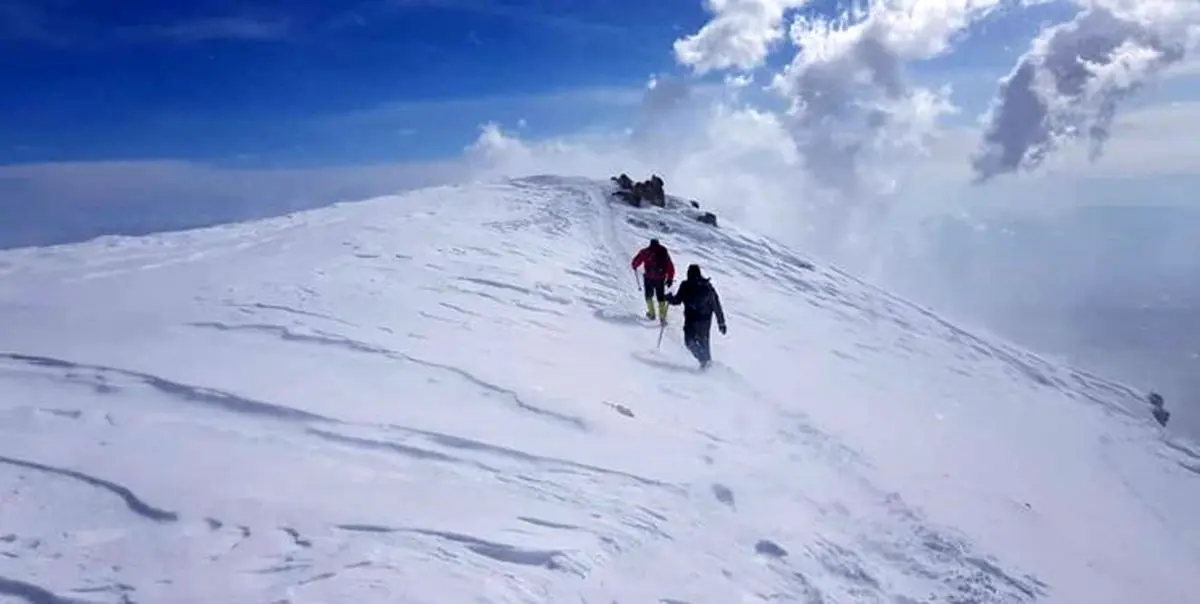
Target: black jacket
{"x": 699, "y": 299}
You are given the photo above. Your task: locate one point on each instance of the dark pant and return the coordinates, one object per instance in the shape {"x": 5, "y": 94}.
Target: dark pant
{"x": 695, "y": 337}
{"x": 654, "y": 288}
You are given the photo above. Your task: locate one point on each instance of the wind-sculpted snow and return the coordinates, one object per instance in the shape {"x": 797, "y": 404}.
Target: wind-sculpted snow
{"x": 451, "y": 397}
{"x": 102, "y": 381}
{"x": 136, "y": 505}
{"x": 32, "y": 593}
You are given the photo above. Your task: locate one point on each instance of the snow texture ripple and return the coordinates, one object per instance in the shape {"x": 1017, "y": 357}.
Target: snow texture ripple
{"x": 451, "y": 396}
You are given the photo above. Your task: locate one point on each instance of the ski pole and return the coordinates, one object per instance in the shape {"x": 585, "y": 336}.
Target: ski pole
{"x": 661, "y": 329}
{"x": 636, "y": 280}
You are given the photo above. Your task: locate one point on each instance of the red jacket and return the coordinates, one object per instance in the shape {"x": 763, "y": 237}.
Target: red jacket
{"x": 658, "y": 263}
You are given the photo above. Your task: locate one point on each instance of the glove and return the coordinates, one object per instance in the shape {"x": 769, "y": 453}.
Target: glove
{"x": 670, "y": 282}
{"x": 721, "y": 327}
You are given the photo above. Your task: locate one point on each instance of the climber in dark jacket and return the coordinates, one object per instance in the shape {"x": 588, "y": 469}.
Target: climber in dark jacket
{"x": 700, "y": 301}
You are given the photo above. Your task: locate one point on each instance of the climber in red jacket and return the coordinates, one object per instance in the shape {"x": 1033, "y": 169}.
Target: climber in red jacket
{"x": 658, "y": 275}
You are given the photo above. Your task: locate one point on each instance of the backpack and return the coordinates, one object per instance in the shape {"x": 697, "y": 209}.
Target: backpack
{"x": 657, "y": 262}
{"x": 704, "y": 298}
{"x": 699, "y": 302}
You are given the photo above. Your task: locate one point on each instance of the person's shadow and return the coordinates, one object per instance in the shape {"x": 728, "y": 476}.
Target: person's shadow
{"x": 619, "y": 317}
{"x": 661, "y": 363}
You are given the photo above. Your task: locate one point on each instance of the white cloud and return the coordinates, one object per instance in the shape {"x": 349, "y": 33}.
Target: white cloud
{"x": 534, "y": 103}
{"x": 1071, "y": 82}
{"x": 1145, "y": 143}
{"x": 741, "y": 34}
{"x": 223, "y": 28}
{"x": 744, "y": 163}
{"x": 860, "y": 124}
{"x": 988, "y": 253}
{"x": 50, "y": 22}
{"x": 554, "y": 16}
{"x": 851, "y": 112}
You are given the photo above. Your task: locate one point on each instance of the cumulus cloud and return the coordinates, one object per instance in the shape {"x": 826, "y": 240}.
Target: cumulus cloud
{"x": 740, "y": 35}
{"x": 1070, "y": 83}
{"x": 858, "y": 122}
{"x": 848, "y": 106}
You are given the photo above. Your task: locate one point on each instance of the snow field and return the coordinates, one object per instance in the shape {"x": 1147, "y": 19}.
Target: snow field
{"x": 418, "y": 399}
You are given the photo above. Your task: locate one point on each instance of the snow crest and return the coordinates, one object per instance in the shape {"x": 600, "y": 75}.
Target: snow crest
{"x": 451, "y": 396}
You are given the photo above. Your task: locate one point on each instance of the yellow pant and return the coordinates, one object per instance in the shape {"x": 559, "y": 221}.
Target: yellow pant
{"x": 662, "y": 309}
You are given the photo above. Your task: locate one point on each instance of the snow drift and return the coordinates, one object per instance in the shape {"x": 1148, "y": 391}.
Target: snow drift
{"x": 450, "y": 396}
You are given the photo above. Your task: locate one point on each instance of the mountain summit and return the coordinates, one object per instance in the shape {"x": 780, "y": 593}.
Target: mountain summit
{"x": 453, "y": 395}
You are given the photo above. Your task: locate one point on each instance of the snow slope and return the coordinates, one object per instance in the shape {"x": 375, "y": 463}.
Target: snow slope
{"x": 450, "y": 396}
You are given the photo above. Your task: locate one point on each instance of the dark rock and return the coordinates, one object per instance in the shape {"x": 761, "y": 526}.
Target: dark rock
{"x": 723, "y": 494}
{"x": 629, "y": 197}
{"x": 1161, "y": 416}
{"x": 708, "y": 218}
{"x": 634, "y": 193}
{"x": 770, "y": 548}
{"x": 654, "y": 192}
{"x": 695, "y": 204}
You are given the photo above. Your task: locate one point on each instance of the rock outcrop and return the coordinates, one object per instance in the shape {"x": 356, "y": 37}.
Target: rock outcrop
{"x": 1161, "y": 415}
{"x": 636, "y": 193}
{"x": 652, "y": 192}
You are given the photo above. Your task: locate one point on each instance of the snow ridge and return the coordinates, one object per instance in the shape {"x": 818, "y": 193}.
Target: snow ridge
{"x": 450, "y": 396}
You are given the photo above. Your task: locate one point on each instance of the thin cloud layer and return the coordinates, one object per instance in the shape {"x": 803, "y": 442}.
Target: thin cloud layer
{"x": 47, "y": 204}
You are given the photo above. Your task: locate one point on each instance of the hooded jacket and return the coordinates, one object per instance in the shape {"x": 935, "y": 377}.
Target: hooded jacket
{"x": 698, "y": 297}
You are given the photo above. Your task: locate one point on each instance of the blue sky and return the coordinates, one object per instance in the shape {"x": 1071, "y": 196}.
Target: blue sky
{"x": 309, "y": 81}
{"x": 343, "y": 82}
{"x": 337, "y": 82}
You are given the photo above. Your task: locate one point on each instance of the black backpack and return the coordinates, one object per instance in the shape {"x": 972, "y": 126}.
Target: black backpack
{"x": 705, "y": 298}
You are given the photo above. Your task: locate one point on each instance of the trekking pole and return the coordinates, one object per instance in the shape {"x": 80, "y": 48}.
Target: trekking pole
{"x": 661, "y": 329}
{"x": 636, "y": 280}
